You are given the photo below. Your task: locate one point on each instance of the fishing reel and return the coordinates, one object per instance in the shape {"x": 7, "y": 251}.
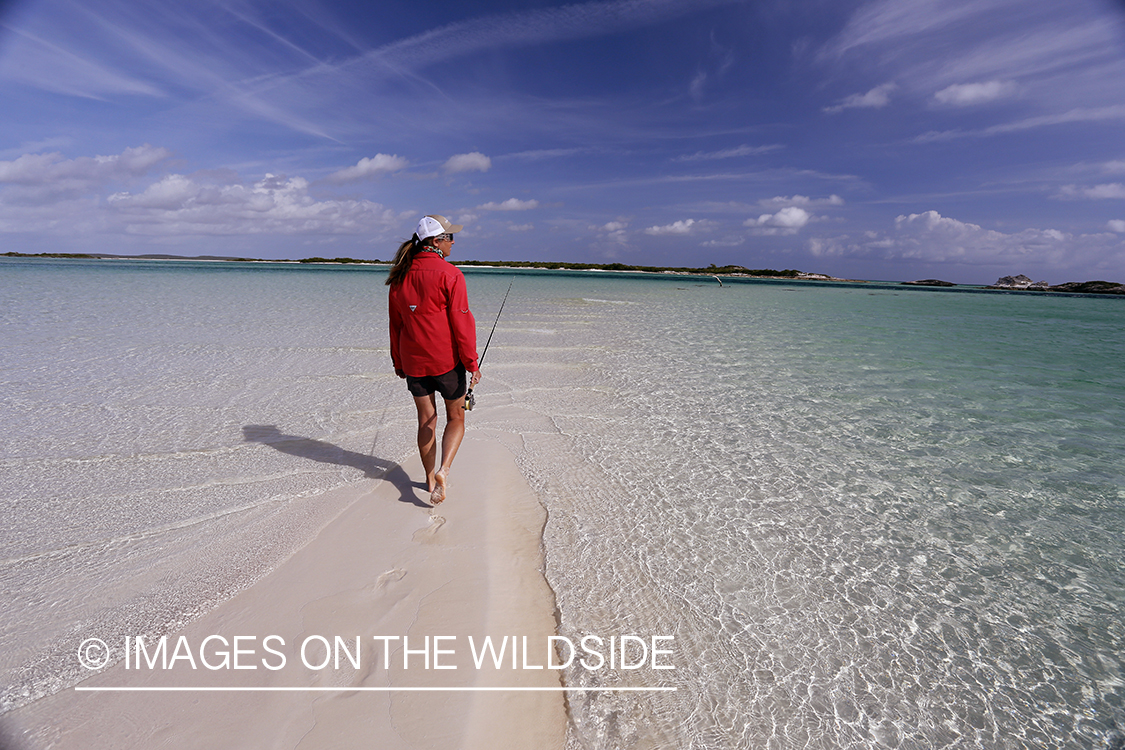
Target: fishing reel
{"x": 470, "y": 400}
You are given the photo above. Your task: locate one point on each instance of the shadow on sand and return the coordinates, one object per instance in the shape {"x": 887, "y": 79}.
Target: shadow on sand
{"x": 316, "y": 450}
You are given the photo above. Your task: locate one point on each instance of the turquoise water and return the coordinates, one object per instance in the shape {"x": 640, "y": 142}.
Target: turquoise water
{"x": 871, "y": 516}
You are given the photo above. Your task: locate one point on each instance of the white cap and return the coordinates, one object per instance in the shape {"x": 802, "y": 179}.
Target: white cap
{"x": 433, "y": 225}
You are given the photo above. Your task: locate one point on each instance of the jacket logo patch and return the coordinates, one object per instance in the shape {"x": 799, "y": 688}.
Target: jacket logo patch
{"x": 412, "y": 307}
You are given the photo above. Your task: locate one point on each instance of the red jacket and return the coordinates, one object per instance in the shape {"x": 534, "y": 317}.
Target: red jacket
{"x": 432, "y": 328}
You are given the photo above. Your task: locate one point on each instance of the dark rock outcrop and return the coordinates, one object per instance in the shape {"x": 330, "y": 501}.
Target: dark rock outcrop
{"x": 929, "y": 282}
{"x": 1090, "y": 287}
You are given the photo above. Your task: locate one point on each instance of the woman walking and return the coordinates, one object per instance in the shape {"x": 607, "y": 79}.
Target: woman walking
{"x": 433, "y": 341}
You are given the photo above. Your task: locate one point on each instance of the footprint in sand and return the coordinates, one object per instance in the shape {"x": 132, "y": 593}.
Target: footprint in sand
{"x": 394, "y": 574}
{"x": 429, "y": 533}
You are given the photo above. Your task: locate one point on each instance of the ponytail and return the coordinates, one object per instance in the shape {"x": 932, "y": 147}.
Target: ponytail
{"x": 404, "y": 258}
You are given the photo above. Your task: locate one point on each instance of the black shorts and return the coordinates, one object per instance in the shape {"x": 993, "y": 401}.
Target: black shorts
{"x": 451, "y": 385}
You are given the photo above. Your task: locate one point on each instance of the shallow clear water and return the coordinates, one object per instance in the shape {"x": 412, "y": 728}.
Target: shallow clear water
{"x": 870, "y": 516}
{"x": 170, "y": 432}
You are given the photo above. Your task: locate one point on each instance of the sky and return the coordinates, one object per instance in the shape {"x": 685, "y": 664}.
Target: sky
{"x": 873, "y": 139}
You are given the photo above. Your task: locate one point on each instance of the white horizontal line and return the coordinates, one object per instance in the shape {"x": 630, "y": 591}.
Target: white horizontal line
{"x": 370, "y": 689}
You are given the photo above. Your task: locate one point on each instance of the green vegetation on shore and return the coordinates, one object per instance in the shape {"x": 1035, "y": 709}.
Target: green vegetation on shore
{"x": 551, "y": 265}
{"x": 52, "y": 255}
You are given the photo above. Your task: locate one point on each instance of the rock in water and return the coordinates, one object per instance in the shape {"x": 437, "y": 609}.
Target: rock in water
{"x": 1019, "y": 282}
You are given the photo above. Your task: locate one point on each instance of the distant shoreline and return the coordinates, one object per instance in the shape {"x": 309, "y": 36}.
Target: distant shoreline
{"x": 712, "y": 270}
{"x": 1085, "y": 289}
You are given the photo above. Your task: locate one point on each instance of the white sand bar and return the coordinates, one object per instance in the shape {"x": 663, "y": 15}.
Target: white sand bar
{"x": 388, "y": 566}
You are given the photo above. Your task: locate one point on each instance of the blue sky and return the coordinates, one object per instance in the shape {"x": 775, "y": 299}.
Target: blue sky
{"x": 878, "y": 139}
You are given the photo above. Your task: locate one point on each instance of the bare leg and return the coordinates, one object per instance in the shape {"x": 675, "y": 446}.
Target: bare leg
{"x": 450, "y": 442}
{"x": 427, "y": 435}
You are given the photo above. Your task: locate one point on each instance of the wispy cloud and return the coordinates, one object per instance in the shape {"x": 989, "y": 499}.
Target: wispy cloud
{"x": 969, "y": 94}
{"x": 50, "y": 67}
{"x": 802, "y": 200}
{"x": 512, "y": 204}
{"x": 971, "y": 52}
{"x": 526, "y": 28}
{"x": 876, "y": 98}
{"x": 893, "y": 21}
{"x": 1082, "y": 114}
{"x": 544, "y": 153}
{"x": 730, "y": 153}
{"x": 1096, "y": 192}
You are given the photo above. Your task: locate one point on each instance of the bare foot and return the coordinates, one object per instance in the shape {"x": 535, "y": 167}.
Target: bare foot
{"x": 438, "y": 494}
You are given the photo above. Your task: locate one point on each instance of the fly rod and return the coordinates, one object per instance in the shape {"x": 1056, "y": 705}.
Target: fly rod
{"x": 470, "y": 400}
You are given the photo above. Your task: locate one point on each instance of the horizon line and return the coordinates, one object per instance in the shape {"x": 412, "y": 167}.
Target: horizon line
{"x": 243, "y": 689}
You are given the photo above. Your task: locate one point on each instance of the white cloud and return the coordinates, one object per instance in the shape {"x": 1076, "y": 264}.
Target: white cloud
{"x": 178, "y": 205}
{"x": 512, "y": 204}
{"x": 46, "y": 178}
{"x": 932, "y": 237}
{"x": 929, "y": 237}
{"x": 474, "y": 161}
{"x": 1116, "y": 225}
{"x": 369, "y": 167}
{"x": 676, "y": 227}
{"x": 520, "y": 227}
{"x": 729, "y": 153}
{"x": 171, "y": 192}
{"x": 932, "y": 221}
{"x": 614, "y": 231}
{"x": 876, "y": 98}
{"x": 968, "y": 94}
{"x": 1114, "y": 167}
{"x": 788, "y": 220}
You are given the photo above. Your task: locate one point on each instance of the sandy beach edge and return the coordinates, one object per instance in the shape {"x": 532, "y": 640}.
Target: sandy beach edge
{"x": 390, "y": 595}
